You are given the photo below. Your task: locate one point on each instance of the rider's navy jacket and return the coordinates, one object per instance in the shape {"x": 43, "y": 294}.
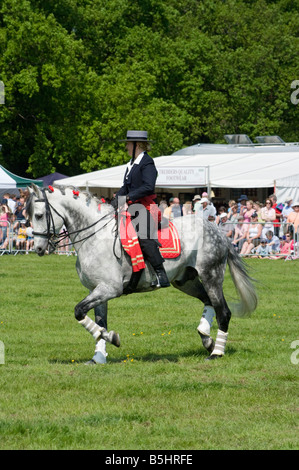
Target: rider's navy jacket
{"x": 140, "y": 178}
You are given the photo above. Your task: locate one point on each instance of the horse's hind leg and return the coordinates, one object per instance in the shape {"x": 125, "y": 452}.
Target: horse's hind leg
{"x": 195, "y": 288}
{"x": 223, "y": 314}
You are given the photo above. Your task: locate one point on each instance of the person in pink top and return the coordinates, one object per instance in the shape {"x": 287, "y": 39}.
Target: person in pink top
{"x": 247, "y": 213}
{"x": 4, "y": 219}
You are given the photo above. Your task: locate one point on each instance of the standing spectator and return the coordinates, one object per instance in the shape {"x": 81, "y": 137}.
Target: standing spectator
{"x": 4, "y": 219}
{"x": 257, "y": 208}
{"x": 241, "y": 230}
{"x": 187, "y": 208}
{"x": 206, "y": 209}
{"x": 268, "y": 216}
{"x": 242, "y": 203}
{"x": 162, "y": 206}
{"x": 196, "y": 202}
{"x": 287, "y": 210}
{"x": 278, "y": 214}
{"x": 293, "y": 218}
{"x": 253, "y": 236}
{"x": 22, "y": 235}
{"x": 247, "y": 213}
{"x": 10, "y": 201}
{"x": 174, "y": 210}
{"x": 233, "y": 215}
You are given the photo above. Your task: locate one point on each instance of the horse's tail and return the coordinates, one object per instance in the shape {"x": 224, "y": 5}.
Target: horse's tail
{"x": 243, "y": 283}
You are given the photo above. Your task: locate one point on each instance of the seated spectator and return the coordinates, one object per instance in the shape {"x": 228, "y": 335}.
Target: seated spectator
{"x": 225, "y": 227}
{"x": 21, "y": 238}
{"x": 253, "y": 236}
{"x": 231, "y": 203}
{"x": 241, "y": 230}
{"x": 233, "y": 214}
{"x": 268, "y": 216}
{"x": 247, "y": 213}
{"x": 221, "y": 210}
{"x": 263, "y": 250}
{"x": 273, "y": 242}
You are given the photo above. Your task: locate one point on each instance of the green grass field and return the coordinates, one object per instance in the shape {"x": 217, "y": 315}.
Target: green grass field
{"x": 157, "y": 391}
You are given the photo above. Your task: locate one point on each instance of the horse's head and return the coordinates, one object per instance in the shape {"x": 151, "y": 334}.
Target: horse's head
{"x": 46, "y": 221}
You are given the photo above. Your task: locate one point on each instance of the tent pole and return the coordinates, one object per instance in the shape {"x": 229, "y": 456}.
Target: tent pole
{"x": 209, "y": 183}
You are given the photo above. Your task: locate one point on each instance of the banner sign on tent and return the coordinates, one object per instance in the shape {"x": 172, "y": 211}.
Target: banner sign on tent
{"x": 181, "y": 175}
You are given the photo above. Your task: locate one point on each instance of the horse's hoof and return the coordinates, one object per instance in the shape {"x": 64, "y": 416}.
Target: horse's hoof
{"x": 90, "y": 363}
{"x": 114, "y": 338}
{"x": 212, "y": 357}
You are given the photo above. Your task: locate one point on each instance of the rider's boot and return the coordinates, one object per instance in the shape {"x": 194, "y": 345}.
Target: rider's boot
{"x": 162, "y": 276}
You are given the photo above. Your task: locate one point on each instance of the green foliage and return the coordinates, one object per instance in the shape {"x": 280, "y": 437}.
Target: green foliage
{"x": 79, "y": 73}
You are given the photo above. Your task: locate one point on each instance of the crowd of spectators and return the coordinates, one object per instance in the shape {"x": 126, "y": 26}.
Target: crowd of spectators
{"x": 264, "y": 230}
{"x": 255, "y": 229}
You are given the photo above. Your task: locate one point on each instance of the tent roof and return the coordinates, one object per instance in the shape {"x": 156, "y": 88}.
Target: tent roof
{"x": 49, "y": 179}
{"x": 229, "y": 166}
{"x": 9, "y": 180}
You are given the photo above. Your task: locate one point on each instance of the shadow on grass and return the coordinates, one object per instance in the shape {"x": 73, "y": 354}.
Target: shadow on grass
{"x": 201, "y": 354}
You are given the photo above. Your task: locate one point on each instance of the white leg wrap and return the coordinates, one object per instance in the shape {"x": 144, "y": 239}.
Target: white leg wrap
{"x": 100, "y": 352}
{"x": 206, "y": 321}
{"x": 220, "y": 343}
{"x": 94, "y": 329}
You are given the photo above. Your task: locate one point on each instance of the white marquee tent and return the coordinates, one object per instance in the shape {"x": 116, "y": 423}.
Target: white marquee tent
{"x": 212, "y": 165}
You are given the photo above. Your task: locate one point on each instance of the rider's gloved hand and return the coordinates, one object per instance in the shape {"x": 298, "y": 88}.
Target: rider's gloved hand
{"x": 114, "y": 203}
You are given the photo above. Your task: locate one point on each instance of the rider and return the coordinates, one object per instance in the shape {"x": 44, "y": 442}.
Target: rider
{"x": 138, "y": 187}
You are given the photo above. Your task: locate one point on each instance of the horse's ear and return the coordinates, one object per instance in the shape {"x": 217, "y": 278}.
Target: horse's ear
{"x": 35, "y": 190}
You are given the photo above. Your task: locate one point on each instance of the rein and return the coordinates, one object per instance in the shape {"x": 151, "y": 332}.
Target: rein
{"x": 51, "y": 234}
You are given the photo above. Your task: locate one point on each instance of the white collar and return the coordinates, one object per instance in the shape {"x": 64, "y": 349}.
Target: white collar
{"x": 136, "y": 162}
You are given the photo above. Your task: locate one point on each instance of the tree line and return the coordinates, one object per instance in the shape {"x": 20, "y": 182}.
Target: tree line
{"x": 79, "y": 73}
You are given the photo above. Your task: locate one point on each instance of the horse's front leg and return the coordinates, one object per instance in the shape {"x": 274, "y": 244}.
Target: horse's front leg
{"x": 98, "y": 296}
{"x": 100, "y": 354}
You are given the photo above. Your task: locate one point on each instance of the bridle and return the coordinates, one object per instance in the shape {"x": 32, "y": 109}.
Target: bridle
{"x": 54, "y": 238}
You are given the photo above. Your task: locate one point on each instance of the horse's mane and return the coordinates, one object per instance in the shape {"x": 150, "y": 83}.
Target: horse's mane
{"x": 91, "y": 200}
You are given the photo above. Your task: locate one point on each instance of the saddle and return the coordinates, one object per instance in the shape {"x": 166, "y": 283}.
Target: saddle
{"x": 168, "y": 237}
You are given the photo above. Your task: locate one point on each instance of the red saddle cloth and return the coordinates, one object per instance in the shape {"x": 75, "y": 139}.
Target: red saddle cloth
{"x": 167, "y": 236}
{"x": 170, "y": 241}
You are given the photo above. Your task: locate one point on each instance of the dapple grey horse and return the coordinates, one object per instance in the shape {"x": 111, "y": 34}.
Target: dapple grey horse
{"x": 105, "y": 269}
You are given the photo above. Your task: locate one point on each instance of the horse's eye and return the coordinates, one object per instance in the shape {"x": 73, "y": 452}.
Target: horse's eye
{"x": 38, "y": 216}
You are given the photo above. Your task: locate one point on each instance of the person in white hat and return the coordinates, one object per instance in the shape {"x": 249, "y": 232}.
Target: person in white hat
{"x": 205, "y": 209}
{"x": 139, "y": 187}
{"x": 196, "y": 202}
{"x": 287, "y": 209}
